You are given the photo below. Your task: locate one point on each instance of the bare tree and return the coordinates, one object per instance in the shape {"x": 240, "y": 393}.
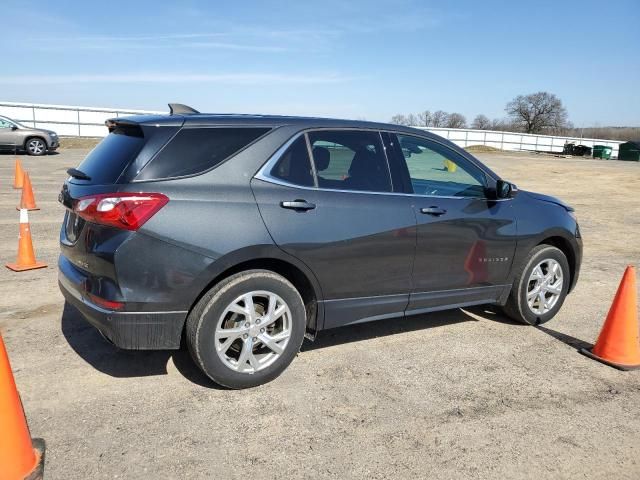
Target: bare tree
{"x": 424, "y": 118}
{"x": 609, "y": 133}
{"x": 481, "y": 122}
{"x": 504, "y": 125}
{"x": 538, "y": 112}
{"x": 439, "y": 118}
{"x": 456, "y": 120}
{"x": 399, "y": 119}
{"x": 412, "y": 120}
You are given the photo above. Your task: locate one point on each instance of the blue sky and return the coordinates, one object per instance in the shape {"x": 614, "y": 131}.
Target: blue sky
{"x": 354, "y": 59}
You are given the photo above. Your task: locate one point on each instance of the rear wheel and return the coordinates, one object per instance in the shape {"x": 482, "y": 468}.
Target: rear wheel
{"x": 540, "y": 287}
{"x": 35, "y": 146}
{"x": 247, "y": 329}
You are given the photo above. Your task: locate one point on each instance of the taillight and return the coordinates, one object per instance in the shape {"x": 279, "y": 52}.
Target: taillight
{"x": 121, "y": 210}
{"x": 104, "y": 303}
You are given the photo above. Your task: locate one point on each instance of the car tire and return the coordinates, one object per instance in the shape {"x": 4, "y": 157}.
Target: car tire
{"x": 35, "y": 146}
{"x": 539, "y": 287}
{"x": 239, "y": 349}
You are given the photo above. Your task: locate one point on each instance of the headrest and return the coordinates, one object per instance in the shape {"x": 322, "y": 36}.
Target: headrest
{"x": 363, "y": 161}
{"x": 321, "y": 156}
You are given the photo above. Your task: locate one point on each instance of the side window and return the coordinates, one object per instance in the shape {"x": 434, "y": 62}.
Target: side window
{"x": 4, "y": 123}
{"x": 294, "y": 166}
{"x": 194, "y": 150}
{"x": 350, "y": 160}
{"x": 436, "y": 170}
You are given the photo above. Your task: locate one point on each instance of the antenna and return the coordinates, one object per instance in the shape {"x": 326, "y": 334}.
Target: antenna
{"x": 177, "y": 108}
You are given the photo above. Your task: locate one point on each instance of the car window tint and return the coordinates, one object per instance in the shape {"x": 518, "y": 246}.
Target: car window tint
{"x": 350, "y": 160}
{"x": 194, "y": 150}
{"x": 436, "y": 170}
{"x": 294, "y": 166}
{"x": 108, "y": 159}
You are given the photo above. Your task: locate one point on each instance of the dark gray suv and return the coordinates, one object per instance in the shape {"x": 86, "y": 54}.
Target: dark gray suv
{"x": 241, "y": 234}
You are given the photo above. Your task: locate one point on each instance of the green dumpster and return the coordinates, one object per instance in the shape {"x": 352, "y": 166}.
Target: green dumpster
{"x": 630, "y": 151}
{"x": 602, "y": 151}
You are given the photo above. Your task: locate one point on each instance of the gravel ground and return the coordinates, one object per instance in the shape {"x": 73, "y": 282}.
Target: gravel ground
{"x": 458, "y": 394}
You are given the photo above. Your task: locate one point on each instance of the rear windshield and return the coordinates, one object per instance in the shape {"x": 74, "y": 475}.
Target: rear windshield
{"x": 105, "y": 163}
{"x": 194, "y": 150}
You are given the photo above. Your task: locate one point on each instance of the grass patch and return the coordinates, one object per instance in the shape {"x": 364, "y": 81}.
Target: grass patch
{"x": 79, "y": 142}
{"x": 481, "y": 149}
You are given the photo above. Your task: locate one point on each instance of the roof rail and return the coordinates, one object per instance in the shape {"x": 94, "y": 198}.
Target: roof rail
{"x": 179, "y": 108}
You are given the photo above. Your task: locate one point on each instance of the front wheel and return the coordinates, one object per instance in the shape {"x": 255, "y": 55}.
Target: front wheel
{"x": 247, "y": 329}
{"x": 540, "y": 287}
{"x": 35, "y": 146}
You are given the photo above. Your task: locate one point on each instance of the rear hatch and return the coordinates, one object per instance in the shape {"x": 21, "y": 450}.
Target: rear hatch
{"x": 108, "y": 169}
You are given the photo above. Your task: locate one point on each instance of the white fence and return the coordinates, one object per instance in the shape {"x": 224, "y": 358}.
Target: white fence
{"x": 464, "y": 137}
{"x": 64, "y": 119}
{"x": 89, "y": 122}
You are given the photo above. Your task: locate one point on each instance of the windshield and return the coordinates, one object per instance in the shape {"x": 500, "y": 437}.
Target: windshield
{"x": 11, "y": 122}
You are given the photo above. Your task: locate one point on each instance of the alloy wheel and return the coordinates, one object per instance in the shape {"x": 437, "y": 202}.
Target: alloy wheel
{"x": 545, "y": 286}
{"x": 36, "y": 146}
{"x": 253, "y": 331}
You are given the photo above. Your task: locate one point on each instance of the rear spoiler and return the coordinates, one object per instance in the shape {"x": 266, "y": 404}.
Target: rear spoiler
{"x": 131, "y": 127}
{"x": 135, "y": 121}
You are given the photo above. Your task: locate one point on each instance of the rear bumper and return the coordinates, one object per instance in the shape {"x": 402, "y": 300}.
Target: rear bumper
{"x": 127, "y": 330}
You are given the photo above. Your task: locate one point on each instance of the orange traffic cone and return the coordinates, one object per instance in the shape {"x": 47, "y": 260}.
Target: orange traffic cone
{"x": 26, "y": 257}
{"x": 20, "y": 457}
{"x": 618, "y": 344}
{"x": 18, "y": 179}
{"x": 27, "y": 200}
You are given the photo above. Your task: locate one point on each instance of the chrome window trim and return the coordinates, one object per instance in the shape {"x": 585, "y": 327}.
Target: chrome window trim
{"x": 264, "y": 172}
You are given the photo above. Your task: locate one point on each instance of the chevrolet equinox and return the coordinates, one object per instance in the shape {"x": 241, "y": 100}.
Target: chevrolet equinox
{"x": 242, "y": 234}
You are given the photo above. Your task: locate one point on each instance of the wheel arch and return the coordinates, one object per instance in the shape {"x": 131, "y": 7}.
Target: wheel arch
{"x": 31, "y": 137}
{"x": 565, "y": 246}
{"x": 276, "y": 261}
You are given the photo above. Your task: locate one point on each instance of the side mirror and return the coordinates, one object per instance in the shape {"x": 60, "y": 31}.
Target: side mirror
{"x": 13, "y": 127}
{"x": 505, "y": 189}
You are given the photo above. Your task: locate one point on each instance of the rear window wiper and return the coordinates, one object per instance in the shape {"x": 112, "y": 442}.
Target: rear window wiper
{"x": 75, "y": 173}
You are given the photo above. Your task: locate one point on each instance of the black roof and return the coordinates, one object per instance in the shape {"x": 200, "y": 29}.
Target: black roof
{"x": 230, "y": 119}
{"x": 208, "y": 119}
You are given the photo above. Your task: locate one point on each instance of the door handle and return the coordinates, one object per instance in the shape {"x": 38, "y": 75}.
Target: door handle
{"x": 435, "y": 211}
{"x": 299, "y": 205}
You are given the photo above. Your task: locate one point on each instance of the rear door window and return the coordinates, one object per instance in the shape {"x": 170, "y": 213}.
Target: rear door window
{"x": 108, "y": 159}
{"x": 195, "y": 150}
{"x": 350, "y": 160}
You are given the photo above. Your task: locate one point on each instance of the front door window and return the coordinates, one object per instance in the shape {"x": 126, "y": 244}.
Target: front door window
{"x": 438, "y": 171}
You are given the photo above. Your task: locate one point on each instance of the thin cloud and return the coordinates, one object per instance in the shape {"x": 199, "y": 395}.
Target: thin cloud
{"x": 180, "y": 78}
{"x": 236, "y": 46}
{"x": 152, "y": 42}
{"x": 136, "y": 37}
{"x": 119, "y": 47}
